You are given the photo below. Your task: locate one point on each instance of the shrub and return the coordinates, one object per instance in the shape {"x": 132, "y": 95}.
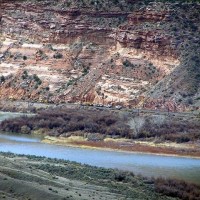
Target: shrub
{"x": 57, "y": 122}
{"x": 2, "y": 79}
{"x": 37, "y": 79}
{"x": 57, "y": 55}
{"x": 127, "y": 63}
{"x": 171, "y": 129}
{"x": 177, "y": 189}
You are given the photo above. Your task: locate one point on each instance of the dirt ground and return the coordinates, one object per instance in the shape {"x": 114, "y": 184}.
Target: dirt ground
{"x": 40, "y": 178}
{"x": 18, "y": 180}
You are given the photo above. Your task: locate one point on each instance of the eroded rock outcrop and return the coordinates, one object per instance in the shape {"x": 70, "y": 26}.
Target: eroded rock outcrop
{"x": 80, "y": 54}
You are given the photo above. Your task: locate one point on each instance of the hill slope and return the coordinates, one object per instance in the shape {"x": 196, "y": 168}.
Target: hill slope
{"x": 134, "y": 53}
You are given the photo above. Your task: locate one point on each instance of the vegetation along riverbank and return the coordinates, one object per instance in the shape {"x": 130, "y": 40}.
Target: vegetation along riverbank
{"x": 113, "y": 129}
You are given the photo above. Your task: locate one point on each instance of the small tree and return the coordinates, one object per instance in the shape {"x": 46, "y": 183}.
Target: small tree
{"x": 2, "y": 79}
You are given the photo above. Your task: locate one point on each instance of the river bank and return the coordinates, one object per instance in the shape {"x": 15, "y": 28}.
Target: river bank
{"x": 85, "y": 127}
{"x": 32, "y": 177}
{"x": 125, "y": 145}
{"x": 149, "y": 165}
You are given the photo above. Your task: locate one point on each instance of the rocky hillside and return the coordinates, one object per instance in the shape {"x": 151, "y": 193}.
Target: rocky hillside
{"x": 128, "y": 52}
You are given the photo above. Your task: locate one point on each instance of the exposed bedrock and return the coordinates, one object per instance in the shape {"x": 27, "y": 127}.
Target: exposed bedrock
{"x": 51, "y": 53}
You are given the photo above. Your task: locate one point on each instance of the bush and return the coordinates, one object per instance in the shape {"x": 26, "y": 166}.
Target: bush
{"x": 171, "y": 129}
{"x": 57, "y": 122}
{"x": 127, "y": 63}
{"x": 177, "y": 189}
{"x": 58, "y": 55}
{"x": 2, "y": 79}
{"x": 37, "y": 79}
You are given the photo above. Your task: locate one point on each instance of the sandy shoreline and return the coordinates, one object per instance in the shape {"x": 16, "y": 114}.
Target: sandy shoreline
{"x": 109, "y": 144}
{"x": 118, "y": 146}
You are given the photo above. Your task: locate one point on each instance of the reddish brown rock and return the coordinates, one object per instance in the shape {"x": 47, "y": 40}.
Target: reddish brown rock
{"x": 83, "y": 55}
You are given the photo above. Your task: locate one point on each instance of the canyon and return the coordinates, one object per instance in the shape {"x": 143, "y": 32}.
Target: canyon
{"x": 106, "y": 79}
{"x": 80, "y": 52}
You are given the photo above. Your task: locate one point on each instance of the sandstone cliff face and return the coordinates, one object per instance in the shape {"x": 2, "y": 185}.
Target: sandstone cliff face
{"x": 57, "y": 53}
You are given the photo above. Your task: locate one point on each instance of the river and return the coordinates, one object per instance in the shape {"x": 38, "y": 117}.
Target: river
{"x": 145, "y": 164}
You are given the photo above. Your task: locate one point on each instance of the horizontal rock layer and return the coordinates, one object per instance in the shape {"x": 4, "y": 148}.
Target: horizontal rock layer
{"x": 74, "y": 54}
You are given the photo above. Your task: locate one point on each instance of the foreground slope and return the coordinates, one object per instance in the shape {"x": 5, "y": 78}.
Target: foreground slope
{"x": 30, "y": 177}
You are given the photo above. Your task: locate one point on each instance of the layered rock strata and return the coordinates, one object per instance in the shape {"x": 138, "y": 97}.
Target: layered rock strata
{"x": 73, "y": 54}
